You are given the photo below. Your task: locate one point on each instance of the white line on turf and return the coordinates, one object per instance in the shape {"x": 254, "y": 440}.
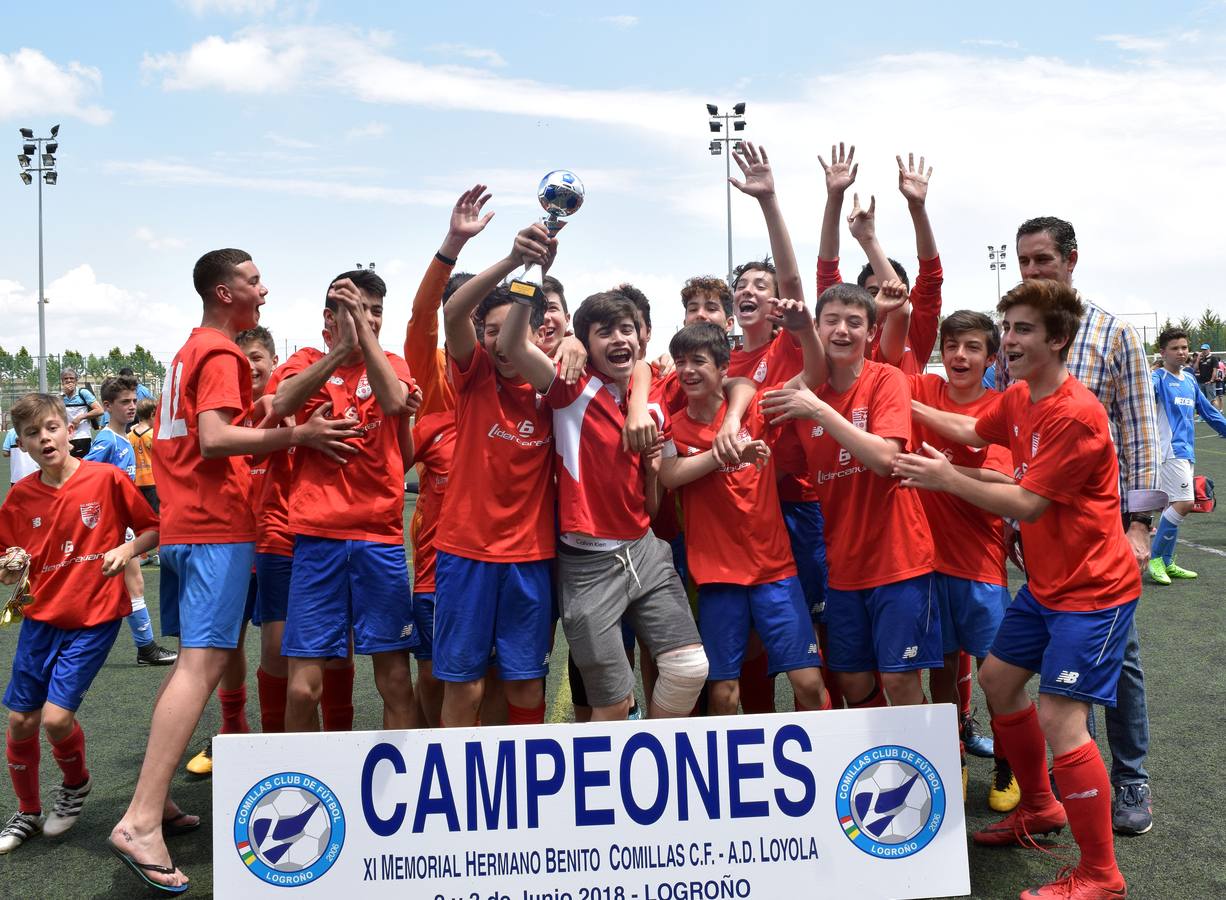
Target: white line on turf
{"x": 1203, "y": 548}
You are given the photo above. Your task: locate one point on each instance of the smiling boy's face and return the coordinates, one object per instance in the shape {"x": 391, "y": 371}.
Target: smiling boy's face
{"x": 844, "y": 331}
{"x": 613, "y": 347}
{"x": 966, "y": 358}
{"x": 46, "y": 439}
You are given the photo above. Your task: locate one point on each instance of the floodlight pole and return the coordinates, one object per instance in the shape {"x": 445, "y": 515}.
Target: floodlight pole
{"x": 42, "y": 302}
{"x": 40, "y": 171}
{"x": 996, "y": 262}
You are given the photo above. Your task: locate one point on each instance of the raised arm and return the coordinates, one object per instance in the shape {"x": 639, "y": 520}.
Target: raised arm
{"x": 840, "y": 175}
{"x": 294, "y": 392}
{"x": 218, "y": 437}
{"x": 913, "y": 185}
{"x": 894, "y": 312}
{"x": 421, "y": 335}
{"x": 515, "y": 339}
{"x": 797, "y": 320}
{"x": 759, "y": 183}
{"x": 389, "y": 390}
{"x": 892, "y": 318}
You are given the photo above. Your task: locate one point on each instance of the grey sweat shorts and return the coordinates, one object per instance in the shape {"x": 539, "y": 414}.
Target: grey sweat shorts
{"x": 637, "y": 581}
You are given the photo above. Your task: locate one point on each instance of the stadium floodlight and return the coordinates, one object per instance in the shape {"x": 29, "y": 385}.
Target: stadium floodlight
{"x": 738, "y": 125}
{"x": 48, "y": 160}
{"x": 27, "y": 133}
{"x": 724, "y": 126}
{"x": 51, "y": 177}
{"x": 739, "y": 109}
{"x": 23, "y": 160}
{"x": 55, "y": 130}
{"x": 29, "y": 149}
{"x": 996, "y": 262}
{"x": 53, "y": 147}
{"x": 27, "y": 177}
{"x": 716, "y": 126}
{"x": 712, "y": 109}
{"x": 37, "y": 157}
{"x": 716, "y": 149}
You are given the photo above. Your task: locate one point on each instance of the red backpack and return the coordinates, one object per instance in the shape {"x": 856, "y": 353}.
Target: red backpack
{"x": 1203, "y": 492}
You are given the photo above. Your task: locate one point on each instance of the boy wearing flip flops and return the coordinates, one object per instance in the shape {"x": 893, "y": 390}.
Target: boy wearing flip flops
{"x": 65, "y": 530}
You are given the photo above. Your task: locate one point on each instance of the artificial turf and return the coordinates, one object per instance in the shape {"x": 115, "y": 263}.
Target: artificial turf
{"x": 1182, "y": 631}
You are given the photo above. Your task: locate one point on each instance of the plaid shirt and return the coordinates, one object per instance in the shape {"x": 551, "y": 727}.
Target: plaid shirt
{"x": 1108, "y": 357}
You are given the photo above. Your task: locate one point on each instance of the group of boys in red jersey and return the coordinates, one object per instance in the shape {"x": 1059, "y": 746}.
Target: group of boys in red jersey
{"x": 836, "y": 514}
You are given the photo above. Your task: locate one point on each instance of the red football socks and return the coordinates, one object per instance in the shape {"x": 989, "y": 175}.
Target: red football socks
{"x": 522, "y": 715}
{"x": 23, "y": 769}
{"x": 965, "y": 683}
{"x": 70, "y": 756}
{"x": 271, "y": 691}
{"x": 233, "y": 710}
{"x": 1021, "y": 740}
{"x": 336, "y": 703}
{"x": 757, "y": 687}
{"x": 1086, "y": 792}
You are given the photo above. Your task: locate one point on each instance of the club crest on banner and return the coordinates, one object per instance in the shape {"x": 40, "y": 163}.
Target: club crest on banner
{"x": 289, "y": 830}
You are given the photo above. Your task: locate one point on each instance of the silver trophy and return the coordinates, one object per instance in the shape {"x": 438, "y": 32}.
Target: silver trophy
{"x": 560, "y": 194}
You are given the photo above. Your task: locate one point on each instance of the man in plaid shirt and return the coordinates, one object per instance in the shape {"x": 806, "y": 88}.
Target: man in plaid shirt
{"x": 1107, "y": 356}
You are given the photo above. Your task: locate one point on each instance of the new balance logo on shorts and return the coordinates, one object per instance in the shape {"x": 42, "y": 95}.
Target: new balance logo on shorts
{"x": 911, "y": 652}
{"x": 813, "y": 649}
{"x": 407, "y": 631}
{"x": 1067, "y": 677}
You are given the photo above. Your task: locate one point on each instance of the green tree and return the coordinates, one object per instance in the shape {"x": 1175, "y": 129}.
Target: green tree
{"x": 73, "y": 360}
{"x": 1209, "y": 329}
{"x": 23, "y": 368}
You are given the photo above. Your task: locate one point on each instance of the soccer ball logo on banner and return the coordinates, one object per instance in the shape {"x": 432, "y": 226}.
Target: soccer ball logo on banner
{"x": 890, "y": 802}
{"x": 289, "y": 829}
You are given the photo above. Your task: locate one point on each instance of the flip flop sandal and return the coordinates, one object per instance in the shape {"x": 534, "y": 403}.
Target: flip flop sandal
{"x": 140, "y": 868}
{"x": 174, "y": 826}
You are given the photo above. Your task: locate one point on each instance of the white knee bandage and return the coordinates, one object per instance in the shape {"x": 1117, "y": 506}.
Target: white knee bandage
{"x": 682, "y": 674}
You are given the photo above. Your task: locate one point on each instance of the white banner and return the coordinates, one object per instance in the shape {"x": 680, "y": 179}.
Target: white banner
{"x": 863, "y": 803}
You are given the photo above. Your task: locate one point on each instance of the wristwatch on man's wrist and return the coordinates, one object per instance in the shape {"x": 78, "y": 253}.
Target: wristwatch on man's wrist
{"x": 1145, "y": 519}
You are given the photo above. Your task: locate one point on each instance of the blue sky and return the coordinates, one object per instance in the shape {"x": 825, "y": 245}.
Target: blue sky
{"x": 319, "y": 134}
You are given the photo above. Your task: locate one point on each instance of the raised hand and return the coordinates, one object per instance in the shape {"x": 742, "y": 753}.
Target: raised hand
{"x": 348, "y": 313}
{"x": 791, "y": 314}
{"x": 890, "y": 297}
{"x": 863, "y": 222}
{"x": 466, "y": 219}
{"x": 755, "y": 166}
{"x": 534, "y": 246}
{"x": 573, "y": 357}
{"x": 841, "y": 172}
{"x": 913, "y": 182}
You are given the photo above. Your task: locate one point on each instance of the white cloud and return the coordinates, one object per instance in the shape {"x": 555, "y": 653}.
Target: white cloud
{"x": 32, "y": 84}
{"x": 369, "y": 130}
{"x": 291, "y": 143}
{"x": 622, "y": 21}
{"x": 247, "y": 65}
{"x": 230, "y": 7}
{"x": 157, "y": 242}
{"x": 89, "y": 315}
{"x": 992, "y": 42}
{"x": 477, "y": 54}
{"x": 1135, "y": 42}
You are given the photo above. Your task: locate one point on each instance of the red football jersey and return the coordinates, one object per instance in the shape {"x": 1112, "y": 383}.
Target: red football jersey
{"x": 434, "y": 443}
{"x": 270, "y": 485}
{"x": 736, "y": 533}
{"x": 67, "y": 532}
{"x": 363, "y": 499}
{"x": 600, "y": 486}
{"x": 204, "y": 501}
{"x": 499, "y": 505}
{"x": 1076, "y": 553}
{"x": 667, "y": 394}
{"x": 774, "y": 363}
{"x": 968, "y": 541}
{"x": 876, "y": 530}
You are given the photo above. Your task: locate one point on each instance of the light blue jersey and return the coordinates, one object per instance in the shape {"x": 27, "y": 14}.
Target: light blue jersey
{"x": 1179, "y": 398}
{"x": 109, "y": 447}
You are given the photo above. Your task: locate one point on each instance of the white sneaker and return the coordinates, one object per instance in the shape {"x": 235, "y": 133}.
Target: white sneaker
{"x": 68, "y": 803}
{"x": 20, "y": 828}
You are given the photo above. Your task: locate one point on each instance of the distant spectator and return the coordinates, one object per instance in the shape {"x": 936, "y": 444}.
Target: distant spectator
{"x": 1219, "y": 384}
{"x": 82, "y": 408}
{"x": 141, "y": 436}
{"x": 1206, "y": 365}
{"x": 21, "y": 463}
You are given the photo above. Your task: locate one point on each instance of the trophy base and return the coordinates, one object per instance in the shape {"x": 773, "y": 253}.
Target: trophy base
{"x": 526, "y": 292}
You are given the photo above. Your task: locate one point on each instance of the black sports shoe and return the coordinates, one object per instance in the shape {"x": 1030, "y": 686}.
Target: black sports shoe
{"x": 154, "y": 654}
{"x": 976, "y": 742}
